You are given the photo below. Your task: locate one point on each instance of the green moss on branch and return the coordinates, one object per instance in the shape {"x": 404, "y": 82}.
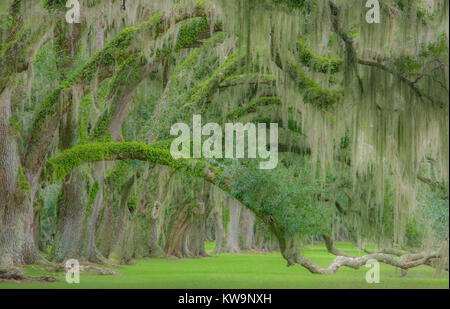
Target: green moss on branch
{"x": 316, "y": 62}
{"x": 95, "y": 152}
{"x": 191, "y": 31}
{"x": 205, "y": 90}
{"x": 103, "y": 62}
{"x": 22, "y": 181}
{"x": 134, "y": 68}
{"x": 310, "y": 89}
{"x": 251, "y": 107}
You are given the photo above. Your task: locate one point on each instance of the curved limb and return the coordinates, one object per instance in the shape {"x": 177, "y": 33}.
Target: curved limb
{"x": 95, "y": 152}
{"x": 405, "y": 263}
{"x": 329, "y": 243}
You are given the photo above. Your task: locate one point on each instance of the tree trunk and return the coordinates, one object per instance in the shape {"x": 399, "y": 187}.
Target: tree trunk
{"x": 104, "y": 240}
{"x": 16, "y": 210}
{"x": 247, "y": 225}
{"x": 73, "y": 208}
{"x": 228, "y": 226}
{"x": 70, "y": 218}
{"x": 122, "y": 222}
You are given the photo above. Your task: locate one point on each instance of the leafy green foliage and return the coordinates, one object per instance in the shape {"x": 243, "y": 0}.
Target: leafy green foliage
{"x": 287, "y": 195}
{"x": 435, "y": 208}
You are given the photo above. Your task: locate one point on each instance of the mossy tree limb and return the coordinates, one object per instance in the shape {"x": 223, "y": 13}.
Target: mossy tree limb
{"x": 100, "y": 66}
{"x": 96, "y": 152}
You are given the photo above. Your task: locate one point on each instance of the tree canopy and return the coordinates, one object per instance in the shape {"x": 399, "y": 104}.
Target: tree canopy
{"x": 86, "y": 111}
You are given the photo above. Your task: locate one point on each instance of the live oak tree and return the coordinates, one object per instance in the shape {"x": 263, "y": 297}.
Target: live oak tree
{"x": 362, "y": 110}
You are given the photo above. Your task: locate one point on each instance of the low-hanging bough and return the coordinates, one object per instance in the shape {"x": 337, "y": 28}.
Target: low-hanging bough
{"x": 154, "y": 153}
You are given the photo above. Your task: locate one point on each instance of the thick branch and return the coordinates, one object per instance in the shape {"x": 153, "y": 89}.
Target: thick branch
{"x": 100, "y": 66}
{"x": 329, "y": 243}
{"x": 405, "y": 262}
{"x": 96, "y": 152}
{"x": 247, "y": 79}
{"x": 205, "y": 90}
{"x": 433, "y": 184}
{"x": 403, "y": 79}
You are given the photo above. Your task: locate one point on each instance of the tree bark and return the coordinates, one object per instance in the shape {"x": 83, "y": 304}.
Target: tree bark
{"x": 16, "y": 210}
{"x": 122, "y": 221}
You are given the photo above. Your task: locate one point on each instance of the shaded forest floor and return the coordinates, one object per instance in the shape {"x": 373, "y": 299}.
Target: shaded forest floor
{"x": 248, "y": 270}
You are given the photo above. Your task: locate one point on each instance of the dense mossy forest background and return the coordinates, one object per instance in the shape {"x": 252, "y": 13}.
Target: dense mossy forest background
{"x": 86, "y": 110}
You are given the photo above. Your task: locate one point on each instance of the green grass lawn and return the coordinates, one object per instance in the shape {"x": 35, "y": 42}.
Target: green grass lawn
{"x": 249, "y": 271}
